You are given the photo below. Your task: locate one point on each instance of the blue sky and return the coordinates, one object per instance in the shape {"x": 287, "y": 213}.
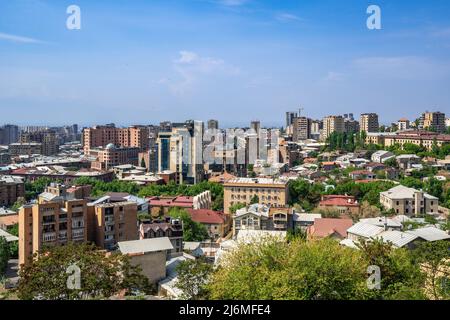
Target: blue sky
{"x": 233, "y": 60}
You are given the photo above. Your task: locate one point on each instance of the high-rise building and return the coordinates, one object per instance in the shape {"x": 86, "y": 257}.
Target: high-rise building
{"x": 101, "y": 136}
{"x": 9, "y": 134}
{"x": 301, "y": 129}
{"x": 290, "y": 118}
{"x": 46, "y": 137}
{"x": 111, "y": 156}
{"x": 255, "y": 125}
{"x": 110, "y": 223}
{"x": 403, "y": 124}
{"x": 350, "y": 124}
{"x": 181, "y": 151}
{"x": 332, "y": 124}
{"x": 213, "y": 124}
{"x": 433, "y": 120}
{"x": 369, "y": 122}
{"x": 50, "y": 223}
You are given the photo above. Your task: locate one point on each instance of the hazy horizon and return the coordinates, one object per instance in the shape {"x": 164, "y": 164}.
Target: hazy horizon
{"x": 232, "y": 60}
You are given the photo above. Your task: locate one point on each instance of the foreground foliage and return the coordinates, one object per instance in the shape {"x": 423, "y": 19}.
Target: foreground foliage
{"x": 102, "y": 275}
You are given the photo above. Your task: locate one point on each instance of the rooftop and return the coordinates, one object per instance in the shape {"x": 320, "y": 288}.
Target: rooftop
{"x": 402, "y": 192}
{"x": 206, "y": 216}
{"x": 430, "y": 234}
{"x": 144, "y": 246}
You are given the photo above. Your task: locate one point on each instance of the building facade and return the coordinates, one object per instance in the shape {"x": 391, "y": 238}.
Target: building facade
{"x": 369, "y": 122}
{"x": 270, "y": 192}
{"x": 50, "y": 224}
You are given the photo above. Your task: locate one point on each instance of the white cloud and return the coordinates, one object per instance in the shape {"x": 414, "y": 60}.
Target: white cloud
{"x": 18, "y": 39}
{"x": 287, "y": 17}
{"x": 191, "y": 68}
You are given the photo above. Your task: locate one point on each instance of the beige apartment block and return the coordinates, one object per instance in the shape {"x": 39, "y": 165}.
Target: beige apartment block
{"x": 110, "y": 223}
{"x": 271, "y": 192}
{"x": 369, "y": 122}
{"x": 332, "y": 124}
{"x": 50, "y": 224}
{"x": 408, "y": 201}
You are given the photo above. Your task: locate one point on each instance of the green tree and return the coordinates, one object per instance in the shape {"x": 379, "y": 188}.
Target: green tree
{"x": 192, "y": 231}
{"x": 299, "y": 270}
{"x": 193, "y": 276}
{"x": 14, "y": 246}
{"x": 254, "y": 199}
{"x": 435, "y": 258}
{"x": 4, "y": 255}
{"x": 101, "y": 276}
{"x": 401, "y": 278}
{"x": 235, "y": 207}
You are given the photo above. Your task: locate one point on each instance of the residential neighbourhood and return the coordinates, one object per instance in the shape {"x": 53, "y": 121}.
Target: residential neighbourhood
{"x": 368, "y": 194}
{"x": 244, "y": 151}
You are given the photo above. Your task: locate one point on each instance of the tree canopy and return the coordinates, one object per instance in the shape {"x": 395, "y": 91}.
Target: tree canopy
{"x": 101, "y": 275}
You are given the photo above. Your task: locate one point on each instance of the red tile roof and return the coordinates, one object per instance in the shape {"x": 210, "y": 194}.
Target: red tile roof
{"x": 207, "y": 216}
{"x": 326, "y": 227}
{"x": 338, "y": 200}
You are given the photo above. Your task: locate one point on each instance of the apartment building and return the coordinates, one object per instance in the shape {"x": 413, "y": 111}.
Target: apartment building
{"x": 109, "y": 223}
{"x": 181, "y": 151}
{"x": 403, "y": 124}
{"x": 171, "y": 229}
{"x": 213, "y": 124}
{"x": 11, "y": 188}
{"x": 301, "y": 129}
{"x": 420, "y": 138}
{"x": 51, "y": 224}
{"x": 112, "y": 156}
{"x": 9, "y": 134}
{"x": 47, "y": 138}
{"x": 21, "y": 149}
{"x": 369, "y": 122}
{"x": 271, "y": 192}
{"x": 332, "y": 124}
{"x": 101, "y": 136}
{"x": 408, "y": 201}
{"x": 433, "y": 120}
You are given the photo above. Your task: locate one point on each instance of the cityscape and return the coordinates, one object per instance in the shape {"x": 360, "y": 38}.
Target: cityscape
{"x": 291, "y": 203}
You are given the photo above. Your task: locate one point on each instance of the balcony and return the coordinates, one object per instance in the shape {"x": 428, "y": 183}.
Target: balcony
{"x": 62, "y": 235}
{"x": 49, "y": 236}
{"x": 78, "y": 234}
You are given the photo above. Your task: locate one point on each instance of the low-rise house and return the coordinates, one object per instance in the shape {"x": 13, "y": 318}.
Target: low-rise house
{"x": 160, "y": 206}
{"x": 344, "y": 205}
{"x": 329, "y": 166}
{"x": 382, "y": 156}
{"x": 8, "y": 218}
{"x": 406, "y": 161}
{"x": 150, "y": 254}
{"x": 362, "y": 175}
{"x": 327, "y": 227}
{"x": 363, "y": 231}
{"x": 304, "y": 220}
{"x": 398, "y": 239}
{"x": 253, "y": 217}
{"x": 172, "y": 230}
{"x": 9, "y": 237}
{"x": 430, "y": 234}
{"x": 386, "y": 223}
{"x": 217, "y": 223}
{"x": 374, "y": 167}
{"x": 167, "y": 287}
{"x": 408, "y": 201}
